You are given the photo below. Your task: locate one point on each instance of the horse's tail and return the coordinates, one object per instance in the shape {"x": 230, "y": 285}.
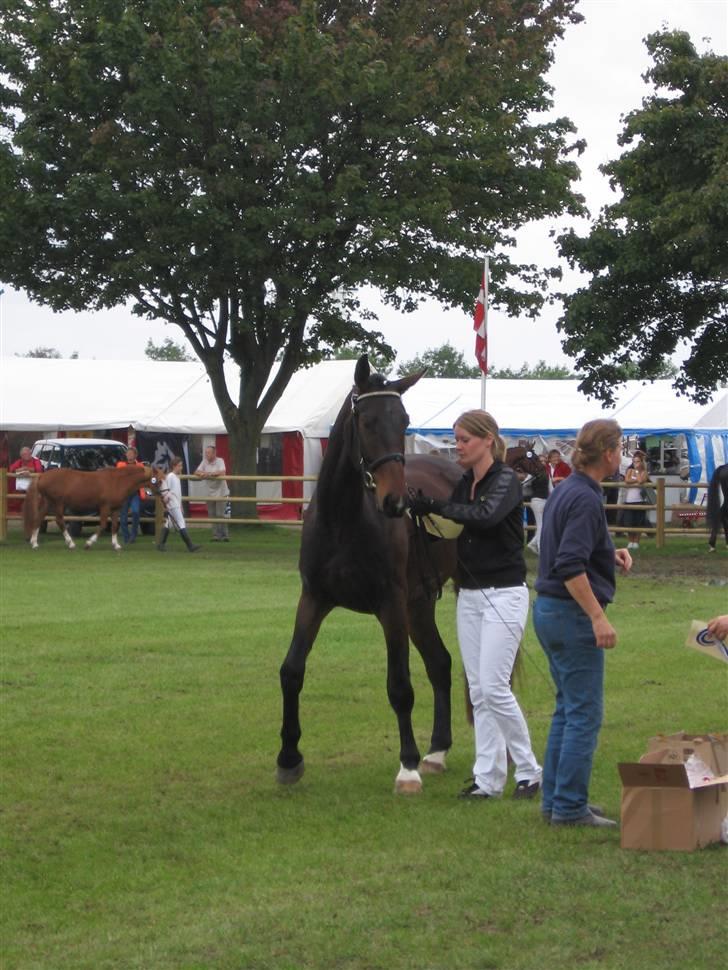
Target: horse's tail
{"x": 715, "y": 498}
{"x": 32, "y": 508}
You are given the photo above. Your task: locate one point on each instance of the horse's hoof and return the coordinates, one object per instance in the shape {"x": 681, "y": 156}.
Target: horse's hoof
{"x": 289, "y": 776}
{"x": 407, "y": 787}
{"x": 408, "y": 782}
{"x": 433, "y": 763}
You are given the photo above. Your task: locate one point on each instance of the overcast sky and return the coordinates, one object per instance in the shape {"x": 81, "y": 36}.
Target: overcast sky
{"x": 597, "y": 79}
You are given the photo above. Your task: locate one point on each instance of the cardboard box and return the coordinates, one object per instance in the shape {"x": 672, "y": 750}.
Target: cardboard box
{"x": 661, "y": 811}
{"x": 710, "y": 748}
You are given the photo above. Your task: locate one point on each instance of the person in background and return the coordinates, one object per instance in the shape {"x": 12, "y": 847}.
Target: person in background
{"x": 492, "y": 604}
{"x": 171, "y": 492}
{"x": 634, "y": 520}
{"x": 212, "y": 471}
{"x": 557, "y": 468}
{"x": 539, "y": 493}
{"x": 133, "y": 503}
{"x": 23, "y": 468}
{"x": 576, "y": 581}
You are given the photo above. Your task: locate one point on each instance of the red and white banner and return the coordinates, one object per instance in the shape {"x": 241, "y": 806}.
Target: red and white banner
{"x": 480, "y": 324}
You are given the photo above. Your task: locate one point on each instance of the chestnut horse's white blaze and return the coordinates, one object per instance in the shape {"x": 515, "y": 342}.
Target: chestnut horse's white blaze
{"x": 65, "y": 488}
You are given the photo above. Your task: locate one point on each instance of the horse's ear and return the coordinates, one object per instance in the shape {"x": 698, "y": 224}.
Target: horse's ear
{"x": 362, "y": 372}
{"x": 405, "y": 383}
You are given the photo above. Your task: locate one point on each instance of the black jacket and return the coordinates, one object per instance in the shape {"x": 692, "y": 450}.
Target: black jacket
{"x": 490, "y": 547}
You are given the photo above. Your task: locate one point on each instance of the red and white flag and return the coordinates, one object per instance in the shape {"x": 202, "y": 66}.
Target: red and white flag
{"x": 480, "y": 325}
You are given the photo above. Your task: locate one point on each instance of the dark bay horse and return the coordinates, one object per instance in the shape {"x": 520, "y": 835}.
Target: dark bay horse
{"x": 716, "y": 512}
{"x": 65, "y": 489}
{"x": 359, "y": 551}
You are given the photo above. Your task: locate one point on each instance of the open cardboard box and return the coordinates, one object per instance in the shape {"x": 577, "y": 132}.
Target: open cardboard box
{"x": 660, "y": 810}
{"x": 712, "y": 749}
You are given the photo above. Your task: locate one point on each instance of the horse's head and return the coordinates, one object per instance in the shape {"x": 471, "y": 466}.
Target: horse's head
{"x": 379, "y": 422}
{"x": 524, "y": 461}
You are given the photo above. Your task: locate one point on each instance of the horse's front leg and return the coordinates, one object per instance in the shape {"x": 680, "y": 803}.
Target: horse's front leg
{"x": 103, "y": 519}
{"x": 309, "y": 617}
{"x": 393, "y": 618}
{"x": 426, "y": 637}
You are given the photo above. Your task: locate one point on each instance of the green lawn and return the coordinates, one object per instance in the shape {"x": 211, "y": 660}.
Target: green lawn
{"x": 142, "y": 826}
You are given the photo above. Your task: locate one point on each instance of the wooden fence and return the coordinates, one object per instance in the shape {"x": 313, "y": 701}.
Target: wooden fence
{"x": 682, "y": 516}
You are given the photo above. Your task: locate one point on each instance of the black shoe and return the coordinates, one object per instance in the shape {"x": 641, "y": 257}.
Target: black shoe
{"x": 472, "y": 791}
{"x": 589, "y": 820}
{"x": 527, "y": 789}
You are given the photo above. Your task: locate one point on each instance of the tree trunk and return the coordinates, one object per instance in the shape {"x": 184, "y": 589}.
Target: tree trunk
{"x": 243, "y": 442}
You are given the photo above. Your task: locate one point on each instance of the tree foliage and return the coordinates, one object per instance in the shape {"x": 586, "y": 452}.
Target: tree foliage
{"x": 167, "y": 350}
{"x": 540, "y": 371}
{"x": 444, "y": 361}
{"x": 241, "y": 169}
{"x": 658, "y": 258}
{"x": 380, "y": 362}
{"x": 42, "y": 353}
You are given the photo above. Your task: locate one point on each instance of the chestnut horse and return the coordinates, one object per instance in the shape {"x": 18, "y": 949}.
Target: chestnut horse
{"x": 65, "y": 489}
{"x": 360, "y": 551}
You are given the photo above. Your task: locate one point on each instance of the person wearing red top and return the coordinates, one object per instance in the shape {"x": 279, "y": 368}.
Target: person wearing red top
{"x": 132, "y": 503}
{"x": 24, "y": 467}
{"x": 557, "y": 468}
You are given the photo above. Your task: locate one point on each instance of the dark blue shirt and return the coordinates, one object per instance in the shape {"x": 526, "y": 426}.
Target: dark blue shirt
{"x": 575, "y": 539}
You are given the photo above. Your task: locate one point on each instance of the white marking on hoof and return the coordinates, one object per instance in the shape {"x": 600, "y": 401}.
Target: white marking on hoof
{"x": 434, "y": 763}
{"x": 34, "y": 539}
{"x": 68, "y": 540}
{"x": 407, "y": 782}
{"x": 115, "y": 544}
{"x": 90, "y": 541}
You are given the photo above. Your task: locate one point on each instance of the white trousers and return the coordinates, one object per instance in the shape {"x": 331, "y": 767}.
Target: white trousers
{"x": 490, "y": 624}
{"x": 537, "y": 505}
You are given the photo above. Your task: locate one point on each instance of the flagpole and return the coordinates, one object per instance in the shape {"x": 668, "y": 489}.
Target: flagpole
{"x": 486, "y": 287}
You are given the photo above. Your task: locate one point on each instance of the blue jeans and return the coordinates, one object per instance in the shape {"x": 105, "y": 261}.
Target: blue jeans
{"x": 133, "y": 504}
{"x": 577, "y": 668}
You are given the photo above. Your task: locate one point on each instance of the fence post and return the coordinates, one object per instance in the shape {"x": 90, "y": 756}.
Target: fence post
{"x": 660, "y": 536}
{"x": 3, "y": 504}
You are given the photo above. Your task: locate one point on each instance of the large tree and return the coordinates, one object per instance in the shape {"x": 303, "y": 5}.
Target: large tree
{"x": 658, "y": 257}
{"x": 241, "y": 169}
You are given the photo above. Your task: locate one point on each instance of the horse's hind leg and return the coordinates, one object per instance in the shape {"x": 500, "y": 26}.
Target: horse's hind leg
{"x": 434, "y": 653}
{"x": 309, "y": 617}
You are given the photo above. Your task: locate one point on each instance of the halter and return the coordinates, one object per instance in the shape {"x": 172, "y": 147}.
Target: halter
{"x": 369, "y": 467}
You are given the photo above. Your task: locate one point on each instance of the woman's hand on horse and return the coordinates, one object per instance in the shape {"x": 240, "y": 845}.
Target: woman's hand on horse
{"x": 421, "y": 504}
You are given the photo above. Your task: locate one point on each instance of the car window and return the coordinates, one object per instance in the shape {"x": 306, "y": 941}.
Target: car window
{"x": 54, "y": 457}
{"x": 90, "y": 457}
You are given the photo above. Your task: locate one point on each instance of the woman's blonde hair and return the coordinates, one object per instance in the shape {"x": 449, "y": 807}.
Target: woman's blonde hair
{"x": 481, "y": 424}
{"x": 593, "y": 440}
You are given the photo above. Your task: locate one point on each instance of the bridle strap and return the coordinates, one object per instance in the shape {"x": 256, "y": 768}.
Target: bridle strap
{"x": 369, "y": 467}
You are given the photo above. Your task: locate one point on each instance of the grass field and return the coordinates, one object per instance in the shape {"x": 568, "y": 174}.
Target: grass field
{"x": 142, "y": 826}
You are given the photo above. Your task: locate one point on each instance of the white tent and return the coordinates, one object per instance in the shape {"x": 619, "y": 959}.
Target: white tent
{"x": 68, "y": 395}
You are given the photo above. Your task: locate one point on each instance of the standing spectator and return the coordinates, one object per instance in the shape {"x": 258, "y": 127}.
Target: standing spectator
{"x": 557, "y": 468}
{"x": 576, "y": 581}
{"x": 492, "y": 604}
{"x": 212, "y": 470}
{"x": 171, "y": 492}
{"x": 539, "y": 494}
{"x": 23, "y": 468}
{"x": 634, "y": 520}
{"x": 132, "y": 503}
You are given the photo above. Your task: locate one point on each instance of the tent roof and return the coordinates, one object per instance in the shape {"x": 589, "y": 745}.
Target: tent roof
{"x": 523, "y": 407}
{"x": 67, "y": 395}
{"x": 149, "y": 395}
